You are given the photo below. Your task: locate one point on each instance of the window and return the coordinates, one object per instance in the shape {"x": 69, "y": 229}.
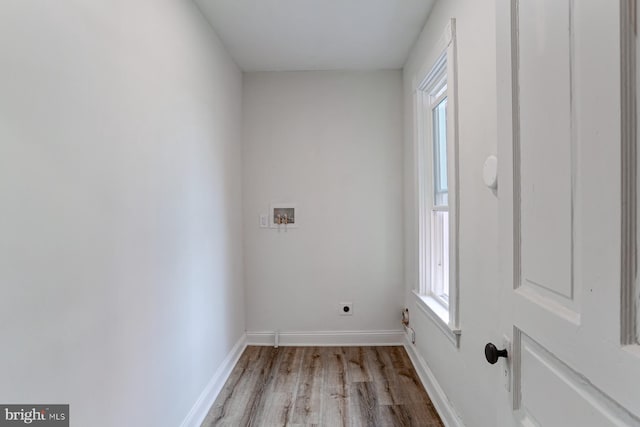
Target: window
{"x": 438, "y": 209}
{"x": 436, "y": 145}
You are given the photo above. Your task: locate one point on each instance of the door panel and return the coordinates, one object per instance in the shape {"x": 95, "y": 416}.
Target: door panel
{"x": 544, "y": 74}
{"x": 560, "y": 145}
{"x": 572, "y": 394}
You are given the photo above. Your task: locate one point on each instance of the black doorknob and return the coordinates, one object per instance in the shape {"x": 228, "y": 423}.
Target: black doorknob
{"x": 492, "y": 353}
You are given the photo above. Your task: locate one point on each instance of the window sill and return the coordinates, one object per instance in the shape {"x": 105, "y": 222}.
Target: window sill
{"x": 439, "y": 315}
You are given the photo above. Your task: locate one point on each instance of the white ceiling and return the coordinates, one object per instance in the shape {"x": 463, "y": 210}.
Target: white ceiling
{"x": 317, "y": 34}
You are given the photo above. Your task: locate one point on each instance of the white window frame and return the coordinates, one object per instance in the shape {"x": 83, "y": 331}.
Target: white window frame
{"x": 440, "y": 66}
{"x": 432, "y": 93}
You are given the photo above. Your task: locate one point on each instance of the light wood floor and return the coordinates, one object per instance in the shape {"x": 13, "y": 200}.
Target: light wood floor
{"x": 323, "y": 386}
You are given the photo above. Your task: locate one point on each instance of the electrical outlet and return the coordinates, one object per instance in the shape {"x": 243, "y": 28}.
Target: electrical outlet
{"x": 346, "y": 309}
{"x": 264, "y": 221}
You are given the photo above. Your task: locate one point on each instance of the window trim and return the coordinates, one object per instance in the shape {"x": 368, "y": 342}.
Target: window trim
{"x": 429, "y": 77}
{"x": 437, "y": 313}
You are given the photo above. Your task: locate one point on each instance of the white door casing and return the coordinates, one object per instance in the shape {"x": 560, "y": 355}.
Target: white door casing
{"x": 564, "y": 121}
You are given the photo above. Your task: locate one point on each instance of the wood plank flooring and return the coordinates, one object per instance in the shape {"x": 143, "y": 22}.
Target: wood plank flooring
{"x": 323, "y": 386}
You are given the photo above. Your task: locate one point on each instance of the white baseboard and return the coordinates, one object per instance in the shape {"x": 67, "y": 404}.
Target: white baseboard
{"x": 444, "y": 407}
{"x": 328, "y": 338}
{"x": 200, "y": 409}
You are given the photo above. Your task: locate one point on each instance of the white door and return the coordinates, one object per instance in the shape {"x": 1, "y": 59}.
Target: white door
{"x": 567, "y": 242}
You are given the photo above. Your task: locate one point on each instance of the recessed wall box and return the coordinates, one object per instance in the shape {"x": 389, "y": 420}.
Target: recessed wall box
{"x": 283, "y": 216}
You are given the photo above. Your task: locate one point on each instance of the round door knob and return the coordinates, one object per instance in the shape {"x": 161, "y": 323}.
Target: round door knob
{"x": 492, "y": 353}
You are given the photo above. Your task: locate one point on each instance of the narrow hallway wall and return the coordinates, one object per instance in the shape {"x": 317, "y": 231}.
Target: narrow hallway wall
{"x": 464, "y": 375}
{"x": 120, "y": 208}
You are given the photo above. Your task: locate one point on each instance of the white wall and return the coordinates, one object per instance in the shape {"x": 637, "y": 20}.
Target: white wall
{"x": 120, "y": 205}
{"x": 332, "y": 143}
{"x": 466, "y": 378}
